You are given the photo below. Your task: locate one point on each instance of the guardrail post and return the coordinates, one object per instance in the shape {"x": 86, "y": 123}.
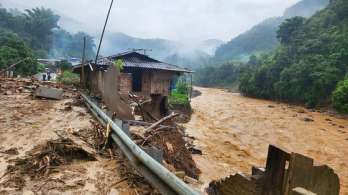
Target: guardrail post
{"x": 154, "y": 152}
{"x": 124, "y": 126}
{"x": 161, "y": 178}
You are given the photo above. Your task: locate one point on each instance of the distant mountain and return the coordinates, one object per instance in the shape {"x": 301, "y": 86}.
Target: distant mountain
{"x": 262, "y": 37}
{"x": 117, "y": 42}
{"x": 190, "y": 60}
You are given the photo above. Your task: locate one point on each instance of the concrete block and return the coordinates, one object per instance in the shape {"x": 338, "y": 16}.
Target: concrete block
{"x": 324, "y": 180}
{"x": 299, "y": 173}
{"x": 48, "y": 92}
{"x": 301, "y": 191}
{"x": 124, "y": 126}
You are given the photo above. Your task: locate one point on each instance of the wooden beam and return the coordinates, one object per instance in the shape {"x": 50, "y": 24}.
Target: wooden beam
{"x": 275, "y": 170}
{"x": 13, "y": 65}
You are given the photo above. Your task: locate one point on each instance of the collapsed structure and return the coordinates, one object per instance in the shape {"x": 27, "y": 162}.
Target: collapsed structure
{"x": 141, "y": 75}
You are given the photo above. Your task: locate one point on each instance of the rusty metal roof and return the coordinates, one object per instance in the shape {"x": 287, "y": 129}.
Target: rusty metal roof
{"x": 136, "y": 60}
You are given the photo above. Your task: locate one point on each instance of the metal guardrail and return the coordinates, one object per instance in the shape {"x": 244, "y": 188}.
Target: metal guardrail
{"x": 157, "y": 175}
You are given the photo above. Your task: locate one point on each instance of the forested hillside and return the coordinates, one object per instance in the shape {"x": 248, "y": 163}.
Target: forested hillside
{"x": 310, "y": 62}
{"x": 262, "y": 37}
{"x": 35, "y": 34}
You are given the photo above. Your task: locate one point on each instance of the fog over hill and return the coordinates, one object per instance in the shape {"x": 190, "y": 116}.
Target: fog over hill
{"x": 180, "y": 27}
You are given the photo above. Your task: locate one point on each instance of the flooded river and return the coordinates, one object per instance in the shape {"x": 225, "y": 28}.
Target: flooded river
{"x": 234, "y": 133}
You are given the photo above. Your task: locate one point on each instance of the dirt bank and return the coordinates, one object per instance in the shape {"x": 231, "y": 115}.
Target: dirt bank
{"x": 234, "y": 133}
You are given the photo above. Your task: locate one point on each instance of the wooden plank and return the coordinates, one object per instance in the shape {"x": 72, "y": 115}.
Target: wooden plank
{"x": 275, "y": 170}
{"x": 299, "y": 173}
{"x": 301, "y": 191}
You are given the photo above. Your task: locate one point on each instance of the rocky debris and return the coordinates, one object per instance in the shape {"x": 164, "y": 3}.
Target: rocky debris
{"x": 341, "y": 126}
{"x": 301, "y": 111}
{"x": 8, "y": 93}
{"x": 195, "y": 93}
{"x": 12, "y": 151}
{"x": 195, "y": 151}
{"x": 232, "y": 90}
{"x": 340, "y": 131}
{"x": 332, "y": 123}
{"x": 307, "y": 119}
{"x": 327, "y": 119}
{"x": 271, "y": 106}
{"x": 311, "y": 110}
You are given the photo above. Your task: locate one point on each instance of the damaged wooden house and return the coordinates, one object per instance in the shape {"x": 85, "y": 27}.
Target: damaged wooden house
{"x": 147, "y": 78}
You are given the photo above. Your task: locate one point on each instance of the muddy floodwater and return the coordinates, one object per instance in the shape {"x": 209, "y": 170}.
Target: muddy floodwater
{"x": 234, "y": 133}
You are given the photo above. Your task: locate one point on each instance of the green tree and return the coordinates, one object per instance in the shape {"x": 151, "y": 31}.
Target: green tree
{"x": 65, "y": 65}
{"x": 340, "y": 96}
{"x": 286, "y": 29}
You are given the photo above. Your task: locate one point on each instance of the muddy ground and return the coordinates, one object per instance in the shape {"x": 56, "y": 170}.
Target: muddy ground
{"x": 26, "y": 122}
{"x": 234, "y": 133}
{"x": 36, "y": 159}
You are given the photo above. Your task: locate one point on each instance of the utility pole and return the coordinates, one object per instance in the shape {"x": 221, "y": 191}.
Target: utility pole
{"x": 83, "y": 78}
{"x": 101, "y": 38}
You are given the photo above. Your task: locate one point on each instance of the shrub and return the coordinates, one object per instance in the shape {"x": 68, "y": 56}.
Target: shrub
{"x": 182, "y": 86}
{"x": 340, "y": 96}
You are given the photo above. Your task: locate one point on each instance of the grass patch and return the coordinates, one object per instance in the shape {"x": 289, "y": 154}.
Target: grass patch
{"x": 68, "y": 78}
{"x": 177, "y": 98}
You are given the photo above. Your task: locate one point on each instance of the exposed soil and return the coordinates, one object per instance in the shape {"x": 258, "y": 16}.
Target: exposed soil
{"x": 234, "y": 133}
{"x": 36, "y": 160}
{"x": 178, "y": 156}
{"x": 26, "y": 123}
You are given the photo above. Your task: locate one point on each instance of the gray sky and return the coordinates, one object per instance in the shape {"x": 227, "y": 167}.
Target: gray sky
{"x": 184, "y": 20}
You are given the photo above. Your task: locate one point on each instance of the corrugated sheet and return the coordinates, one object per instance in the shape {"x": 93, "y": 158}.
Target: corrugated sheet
{"x": 139, "y": 61}
{"x": 145, "y": 64}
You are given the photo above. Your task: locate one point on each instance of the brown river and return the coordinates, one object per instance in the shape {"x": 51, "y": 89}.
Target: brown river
{"x": 234, "y": 133}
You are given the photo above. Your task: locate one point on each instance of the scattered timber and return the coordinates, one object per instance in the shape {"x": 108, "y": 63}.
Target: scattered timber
{"x": 13, "y": 65}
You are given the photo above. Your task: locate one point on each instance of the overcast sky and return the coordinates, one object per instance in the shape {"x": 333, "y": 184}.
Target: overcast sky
{"x": 169, "y": 19}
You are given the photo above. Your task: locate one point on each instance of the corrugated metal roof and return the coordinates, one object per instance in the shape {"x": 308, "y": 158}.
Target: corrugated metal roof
{"x": 154, "y": 65}
{"x": 140, "y": 61}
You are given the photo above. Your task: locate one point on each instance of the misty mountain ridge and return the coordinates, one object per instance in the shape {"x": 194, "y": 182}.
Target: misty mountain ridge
{"x": 117, "y": 42}
{"x": 262, "y": 37}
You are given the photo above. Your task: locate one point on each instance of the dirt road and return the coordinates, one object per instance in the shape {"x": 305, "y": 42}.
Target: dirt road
{"x": 234, "y": 133}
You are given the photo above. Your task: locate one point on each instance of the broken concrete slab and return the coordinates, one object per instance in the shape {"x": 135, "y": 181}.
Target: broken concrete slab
{"x": 324, "y": 180}
{"x": 234, "y": 184}
{"x": 48, "y": 92}
{"x": 299, "y": 173}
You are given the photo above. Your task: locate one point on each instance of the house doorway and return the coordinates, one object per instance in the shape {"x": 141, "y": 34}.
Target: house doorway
{"x": 137, "y": 80}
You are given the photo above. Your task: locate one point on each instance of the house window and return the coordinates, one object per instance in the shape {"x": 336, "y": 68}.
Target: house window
{"x": 137, "y": 80}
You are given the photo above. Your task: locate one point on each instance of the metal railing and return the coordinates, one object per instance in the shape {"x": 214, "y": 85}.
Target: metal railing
{"x": 157, "y": 175}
